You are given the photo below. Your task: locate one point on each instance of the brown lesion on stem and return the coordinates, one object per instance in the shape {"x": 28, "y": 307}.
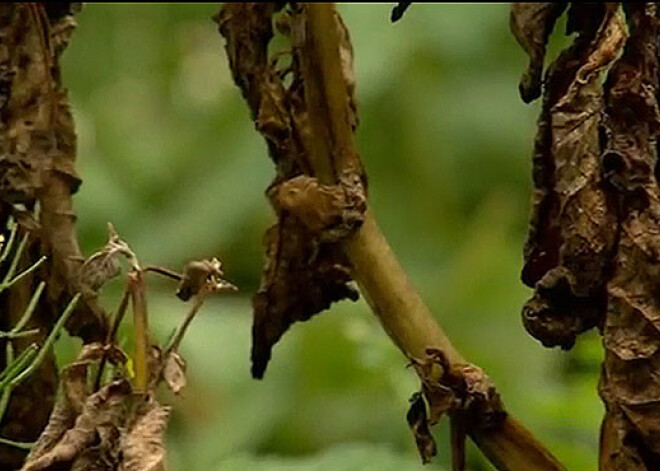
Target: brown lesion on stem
{"x": 309, "y": 130}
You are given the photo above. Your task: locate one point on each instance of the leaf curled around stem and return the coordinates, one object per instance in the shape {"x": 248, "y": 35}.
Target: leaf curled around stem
{"x": 462, "y": 391}
{"x": 305, "y": 269}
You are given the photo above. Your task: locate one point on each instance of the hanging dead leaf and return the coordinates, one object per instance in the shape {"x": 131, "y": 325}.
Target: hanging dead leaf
{"x": 305, "y": 269}
{"x": 629, "y": 384}
{"x": 531, "y": 24}
{"x": 174, "y": 372}
{"x": 418, "y": 423}
{"x": 142, "y": 446}
{"x": 573, "y": 228}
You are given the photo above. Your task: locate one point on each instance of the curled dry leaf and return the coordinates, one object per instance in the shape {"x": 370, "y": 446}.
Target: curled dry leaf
{"x": 174, "y": 373}
{"x": 330, "y": 212}
{"x": 171, "y": 369}
{"x": 102, "y": 266}
{"x": 531, "y": 24}
{"x": 462, "y": 391}
{"x": 572, "y": 233}
{"x": 142, "y": 445}
{"x": 419, "y": 424}
{"x": 200, "y": 274}
{"x": 629, "y": 384}
{"x": 305, "y": 268}
{"x": 111, "y": 429}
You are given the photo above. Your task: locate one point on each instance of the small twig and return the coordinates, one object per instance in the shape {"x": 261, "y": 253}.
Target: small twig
{"x": 17, "y": 365}
{"x": 20, "y": 364}
{"x": 109, "y": 340}
{"x": 163, "y": 271}
{"x": 175, "y": 339}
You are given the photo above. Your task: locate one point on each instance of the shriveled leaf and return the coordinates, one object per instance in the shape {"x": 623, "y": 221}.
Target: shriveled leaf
{"x": 462, "y": 391}
{"x": 202, "y": 273}
{"x": 327, "y": 211}
{"x": 573, "y": 228}
{"x": 100, "y": 419}
{"x": 418, "y": 423}
{"x": 302, "y": 278}
{"x": 305, "y": 269}
{"x": 629, "y": 385}
{"x": 174, "y": 372}
{"x": 531, "y": 24}
{"x": 142, "y": 447}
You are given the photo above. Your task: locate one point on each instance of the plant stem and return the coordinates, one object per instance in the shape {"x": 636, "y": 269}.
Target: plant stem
{"x": 376, "y": 269}
{"x": 140, "y": 332}
{"x": 110, "y": 337}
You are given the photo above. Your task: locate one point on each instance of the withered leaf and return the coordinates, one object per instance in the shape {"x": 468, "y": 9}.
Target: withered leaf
{"x": 142, "y": 446}
{"x": 572, "y": 233}
{"x": 100, "y": 419}
{"x": 302, "y": 278}
{"x": 174, "y": 372}
{"x": 462, "y": 391}
{"x": 327, "y": 211}
{"x": 531, "y": 23}
{"x": 305, "y": 268}
{"x": 629, "y": 383}
{"x": 418, "y": 423}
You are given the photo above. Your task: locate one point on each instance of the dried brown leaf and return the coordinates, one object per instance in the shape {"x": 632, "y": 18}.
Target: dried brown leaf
{"x": 418, "y": 423}
{"x": 629, "y": 384}
{"x": 174, "y": 372}
{"x": 142, "y": 446}
{"x": 98, "y": 423}
{"x": 572, "y": 233}
{"x": 302, "y": 278}
{"x": 462, "y": 391}
{"x": 531, "y": 24}
{"x": 305, "y": 268}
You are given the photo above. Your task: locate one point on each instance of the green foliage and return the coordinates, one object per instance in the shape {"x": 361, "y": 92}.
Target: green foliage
{"x": 168, "y": 153}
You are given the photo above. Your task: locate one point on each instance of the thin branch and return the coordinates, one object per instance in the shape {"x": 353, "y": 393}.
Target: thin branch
{"x": 177, "y": 336}
{"x": 110, "y": 337}
{"x": 376, "y": 269}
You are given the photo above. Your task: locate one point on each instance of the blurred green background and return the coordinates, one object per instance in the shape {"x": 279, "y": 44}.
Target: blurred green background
{"x": 169, "y": 155}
